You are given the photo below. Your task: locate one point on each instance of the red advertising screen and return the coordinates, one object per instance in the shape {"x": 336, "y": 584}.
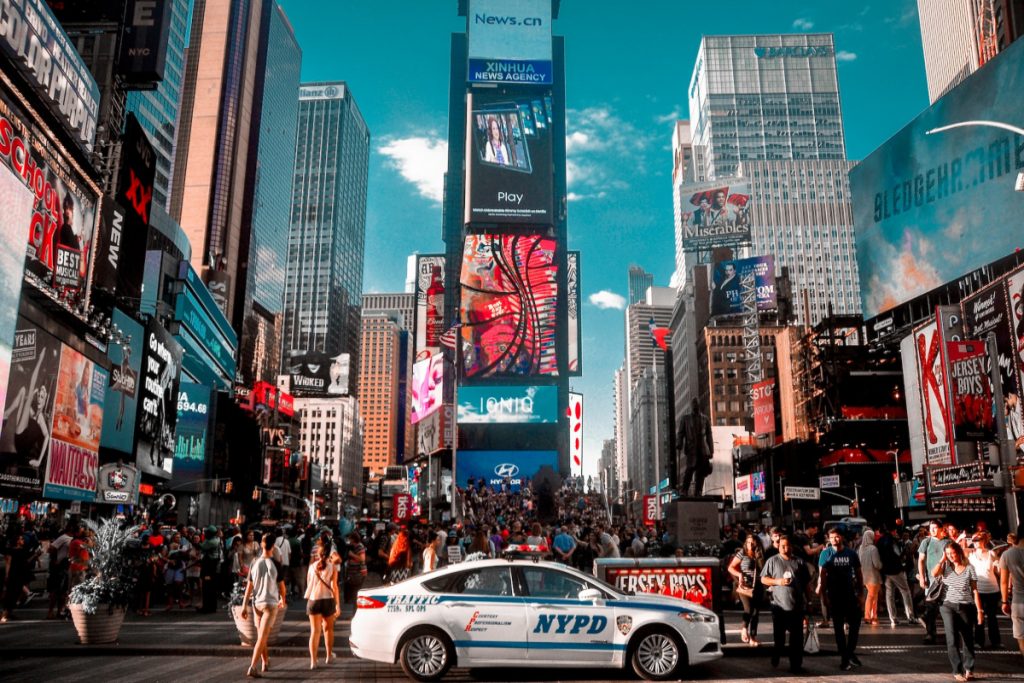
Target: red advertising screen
{"x": 763, "y": 394}
{"x": 695, "y": 584}
{"x": 970, "y": 391}
{"x": 650, "y": 510}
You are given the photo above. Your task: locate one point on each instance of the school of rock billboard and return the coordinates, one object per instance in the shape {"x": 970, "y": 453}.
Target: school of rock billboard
{"x": 430, "y": 287}
{"x": 509, "y": 157}
{"x": 158, "y": 402}
{"x": 921, "y": 201}
{"x": 715, "y": 214}
{"x": 16, "y": 200}
{"x": 28, "y": 415}
{"x": 73, "y": 464}
{"x": 509, "y": 305}
{"x": 59, "y": 232}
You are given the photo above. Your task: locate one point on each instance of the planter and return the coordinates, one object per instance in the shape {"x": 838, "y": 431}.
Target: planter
{"x": 100, "y": 628}
{"x": 247, "y": 627}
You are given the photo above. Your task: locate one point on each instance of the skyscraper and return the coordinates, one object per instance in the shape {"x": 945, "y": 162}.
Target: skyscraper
{"x": 379, "y": 372}
{"x": 682, "y": 171}
{"x": 639, "y": 282}
{"x": 158, "y": 110}
{"x": 399, "y": 304}
{"x": 324, "y": 280}
{"x": 958, "y": 36}
{"x": 767, "y": 107}
{"x": 268, "y": 214}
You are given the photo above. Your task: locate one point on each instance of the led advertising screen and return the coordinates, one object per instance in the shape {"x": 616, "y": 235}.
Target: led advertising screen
{"x": 970, "y": 391}
{"x": 123, "y": 393}
{"x": 574, "y": 309}
{"x": 427, "y": 392}
{"x": 924, "y": 199}
{"x": 59, "y": 233}
{"x": 508, "y": 405}
{"x": 158, "y": 402}
{"x": 727, "y": 290}
{"x": 496, "y": 467}
{"x": 763, "y": 395}
{"x": 988, "y": 311}
{"x": 509, "y": 305}
{"x": 190, "y": 445}
{"x": 509, "y": 41}
{"x": 508, "y": 157}
{"x": 575, "y": 434}
{"x": 430, "y": 276}
{"x": 715, "y": 214}
{"x": 77, "y": 422}
{"x": 1015, "y": 296}
{"x": 318, "y": 374}
{"x": 16, "y": 200}
{"x": 28, "y": 413}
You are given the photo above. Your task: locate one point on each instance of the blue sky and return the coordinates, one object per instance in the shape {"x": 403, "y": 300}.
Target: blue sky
{"x": 627, "y": 69}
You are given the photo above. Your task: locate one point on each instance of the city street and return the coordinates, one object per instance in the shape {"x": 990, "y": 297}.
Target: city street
{"x": 182, "y": 646}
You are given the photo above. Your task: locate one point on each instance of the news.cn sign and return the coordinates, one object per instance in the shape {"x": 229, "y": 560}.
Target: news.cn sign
{"x": 401, "y": 508}
{"x": 763, "y": 395}
{"x": 510, "y": 42}
{"x": 650, "y": 510}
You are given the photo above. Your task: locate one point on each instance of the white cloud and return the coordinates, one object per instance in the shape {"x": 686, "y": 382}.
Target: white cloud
{"x": 671, "y": 117}
{"x": 598, "y": 146}
{"x": 803, "y": 24}
{"x": 606, "y": 299}
{"x": 422, "y": 161}
{"x": 845, "y": 56}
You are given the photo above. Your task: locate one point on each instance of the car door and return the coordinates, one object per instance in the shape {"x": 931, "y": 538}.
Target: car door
{"x": 560, "y": 626}
{"x": 484, "y": 615}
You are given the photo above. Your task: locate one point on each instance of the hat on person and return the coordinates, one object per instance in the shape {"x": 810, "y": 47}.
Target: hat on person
{"x": 211, "y": 529}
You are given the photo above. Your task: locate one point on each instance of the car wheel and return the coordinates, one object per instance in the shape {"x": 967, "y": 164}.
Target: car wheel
{"x": 427, "y": 655}
{"x": 658, "y": 655}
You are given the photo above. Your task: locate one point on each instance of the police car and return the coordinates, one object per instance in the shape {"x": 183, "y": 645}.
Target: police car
{"x": 527, "y": 613}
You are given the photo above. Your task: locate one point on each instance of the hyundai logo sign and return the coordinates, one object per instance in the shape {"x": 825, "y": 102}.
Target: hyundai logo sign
{"x": 506, "y": 469}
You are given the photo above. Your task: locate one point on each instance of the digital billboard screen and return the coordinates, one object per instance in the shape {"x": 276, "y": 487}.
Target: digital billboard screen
{"x": 931, "y": 205}
{"x": 430, "y": 324}
{"x": 575, "y": 434}
{"x": 509, "y": 305}
{"x": 497, "y": 467}
{"x": 427, "y": 391}
{"x": 715, "y": 214}
{"x": 123, "y": 392}
{"x": 989, "y": 311}
{"x": 508, "y": 166}
{"x": 16, "y": 200}
{"x": 493, "y": 404}
{"x": 509, "y": 41}
{"x": 158, "y": 402}
{"x": 312, "y": 373}
{"x": 190, "y": 442}
{"x": 28, "y": 413}
{"x": 727, "y": 290}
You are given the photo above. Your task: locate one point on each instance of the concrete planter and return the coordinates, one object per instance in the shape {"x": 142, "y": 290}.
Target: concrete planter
{"x": 247, "y": 627}
{"x": 100, "y": 628}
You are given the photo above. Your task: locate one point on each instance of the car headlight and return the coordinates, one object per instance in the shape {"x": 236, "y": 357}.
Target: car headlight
{"x": 696, "y": 618}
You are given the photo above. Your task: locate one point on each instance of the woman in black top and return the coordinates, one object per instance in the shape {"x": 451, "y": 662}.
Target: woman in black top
{"x": 745, "y": 568}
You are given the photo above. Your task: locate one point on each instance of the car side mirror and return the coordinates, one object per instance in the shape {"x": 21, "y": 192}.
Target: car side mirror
{"x": 591, "y": 595}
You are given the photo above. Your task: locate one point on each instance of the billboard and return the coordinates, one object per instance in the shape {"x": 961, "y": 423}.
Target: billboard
{"x": 985, "y": 312}
{"x": 205, "y": 334}
{"x": 763, "y": 395}
{"x": 33, "y": 40}
{"x": 17, "y": 201}
{"x": 509, "y": 41}
{"x": 158, "y": 394}
{"x": 727, "y": 292}
{"x": 509, "y": 305}
{"x": 933, "y": 395}
{"x": 715, "y": 214}
{"x": 118, "y": 484}
{"x": 122, "y": 395}
{"x": 144, "y": 41}
{"x": 496, "y": 467}
{"x": 921, "y": 201}
{"x": 493, "y": 404}
{"x": 575, "y": 434}
{"x": 427, "y": 391}
{"x": 970, "y": 391}
{"x": 573, "y": 303}
{"x": 28, "y": 413}
{"x": 428, "y": 434}
{"x": 73, "y": 464}
{"x": 312, "y": 373}
{"x": 651, "y": 512}
{"x": 430, "y": 282}
{"x": 59, "y": 232}
{"x": 1015, "y": 297}
{"x": 190, "y": 444}
{"x": 508, "y": 157}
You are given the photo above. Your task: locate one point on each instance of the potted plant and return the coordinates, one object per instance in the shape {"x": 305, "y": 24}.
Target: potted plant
{"x": 247, "y": 627}
{"x": 98, "y": 604}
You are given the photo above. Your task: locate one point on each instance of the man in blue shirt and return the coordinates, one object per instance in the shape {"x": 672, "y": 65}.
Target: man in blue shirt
{"x": 564, "y": 545}
{"x": 841, "y": 584}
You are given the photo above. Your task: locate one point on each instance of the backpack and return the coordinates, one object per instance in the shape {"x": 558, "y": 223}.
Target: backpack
{"x": 295, "y": 554}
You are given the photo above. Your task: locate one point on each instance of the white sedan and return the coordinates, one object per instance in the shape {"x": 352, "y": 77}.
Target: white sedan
{"x": 526, "y": 613}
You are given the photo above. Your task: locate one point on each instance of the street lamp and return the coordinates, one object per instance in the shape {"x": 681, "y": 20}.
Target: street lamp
{"x": 1019, "y": 184}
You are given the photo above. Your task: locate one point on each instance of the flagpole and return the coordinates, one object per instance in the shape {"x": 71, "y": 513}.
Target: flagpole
{"x": 455, "y": 417}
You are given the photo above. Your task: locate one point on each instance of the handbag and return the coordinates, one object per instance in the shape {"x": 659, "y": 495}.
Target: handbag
{"x": 936, "y": 590}
{"x": 811, "y": 644}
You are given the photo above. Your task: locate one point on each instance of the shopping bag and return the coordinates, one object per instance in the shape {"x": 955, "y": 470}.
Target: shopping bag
{"x": 811, "y": 644}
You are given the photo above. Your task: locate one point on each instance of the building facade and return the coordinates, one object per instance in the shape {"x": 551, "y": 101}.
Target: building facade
{"x": 641, "y": 352}
{"x": 379, "y": 373}
{"x": 401, "y": 304}
{"x": 639, "y": 281}
{"x": 331, "y": 432}
{"x": 324, "y": 277}
{"x": 683, "y": 170}
{"x": 621, "y": 433}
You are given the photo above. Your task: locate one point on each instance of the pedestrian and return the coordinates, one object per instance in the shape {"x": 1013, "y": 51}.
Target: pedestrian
{"x": 322, "y": 603}
{"x": 249, "y": 550}
{"x": 282, "y": 551}
{"x": 400, "y": 558}
{"x": 745, "y": 567}
{"x": 18, "y": 575}
{"x": 1011, "y": 574}
{"x": 960, "y": 610}
{"x": 265, "y": 585}
{"x": 929, "y": 554}
{"x": 789, "y": 579}
{"x": 355, "y": 567}
{"x": 57, "y": 578}
{"x": 432, "y": 550}
{"x": 193, "y": 570}
{"x": 986, "y": 566}
{"x": 871, "y": 567}
{"x": 842, "y": 584}
{"x": 212, "y": 549}
{"x": 296, "y": 567}
{"x": 564, "y": 545}
{"x": 893, "y": 576}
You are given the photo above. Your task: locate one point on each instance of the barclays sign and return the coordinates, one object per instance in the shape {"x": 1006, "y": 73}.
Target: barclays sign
{"x": 794, "y": 51}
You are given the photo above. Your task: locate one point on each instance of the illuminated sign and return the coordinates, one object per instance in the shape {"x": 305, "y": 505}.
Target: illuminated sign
{"x": 509, "y": 41}
{"x": 508, "y": 404}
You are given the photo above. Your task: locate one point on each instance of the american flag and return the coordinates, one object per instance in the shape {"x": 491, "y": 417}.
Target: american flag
{"x": 449, "y": 337}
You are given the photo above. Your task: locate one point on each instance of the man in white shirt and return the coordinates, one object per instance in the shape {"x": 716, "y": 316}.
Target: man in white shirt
{"x": 57, "y": 581}
{"x": 282, "y": 552}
